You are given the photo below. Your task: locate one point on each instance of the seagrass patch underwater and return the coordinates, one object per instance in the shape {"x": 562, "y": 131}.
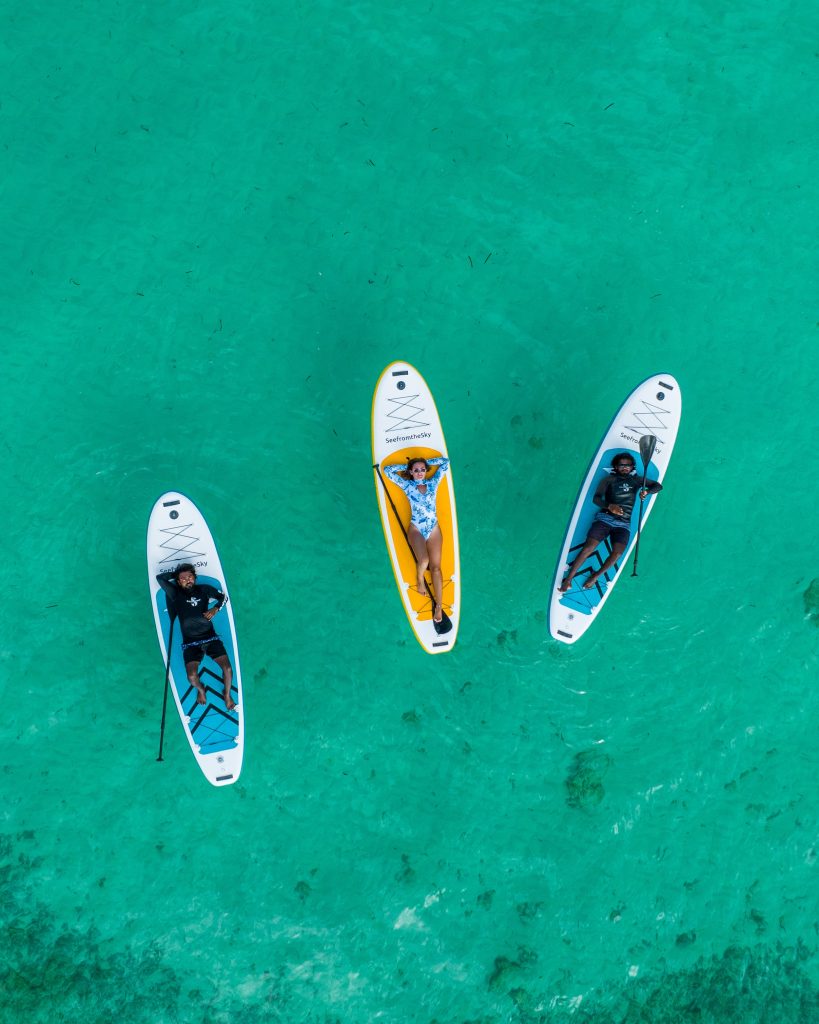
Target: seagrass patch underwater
{"x": 54, "y": 971}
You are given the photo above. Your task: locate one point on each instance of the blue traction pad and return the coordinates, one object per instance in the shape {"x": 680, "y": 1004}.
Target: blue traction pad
{"x": 578, "y": 599}
{"x": 211, "y": 725}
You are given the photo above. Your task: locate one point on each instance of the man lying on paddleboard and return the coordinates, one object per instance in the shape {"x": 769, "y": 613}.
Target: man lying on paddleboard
{"x": 188, "y": 601}
{"x": 615, "y": 496}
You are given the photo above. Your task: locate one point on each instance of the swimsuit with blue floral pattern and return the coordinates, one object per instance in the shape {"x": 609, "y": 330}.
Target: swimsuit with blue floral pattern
{"x": 422, "y": 504}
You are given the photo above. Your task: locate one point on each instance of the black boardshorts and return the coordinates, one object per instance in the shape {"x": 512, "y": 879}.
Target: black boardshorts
{"x": 194, "y": 652}
{"x": 618, "y": 534}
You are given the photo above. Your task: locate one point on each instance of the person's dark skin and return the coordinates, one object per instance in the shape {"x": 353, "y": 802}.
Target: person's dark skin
{"x": 187, "y": 580}
{"x": 623, "y": 467}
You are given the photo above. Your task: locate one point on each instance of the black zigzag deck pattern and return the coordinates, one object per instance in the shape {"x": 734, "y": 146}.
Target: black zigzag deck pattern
{"x": 586, "y": 600}
{"x": 212, "y": 726}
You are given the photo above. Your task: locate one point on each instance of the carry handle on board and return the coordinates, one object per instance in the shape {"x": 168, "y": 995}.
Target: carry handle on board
{"x": 647, "y": 445}
{"x": 445, "y": 625}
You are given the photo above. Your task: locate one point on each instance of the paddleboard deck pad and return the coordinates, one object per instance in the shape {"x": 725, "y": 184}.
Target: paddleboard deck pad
{"x": 653, "y": 408}
{"x": 177, "y": 532}
{"x": 405, "y": 424}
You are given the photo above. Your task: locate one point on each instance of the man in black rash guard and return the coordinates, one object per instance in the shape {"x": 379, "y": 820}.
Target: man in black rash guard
{"x": 188, "y": 601}
{"x": 615, "y": 497}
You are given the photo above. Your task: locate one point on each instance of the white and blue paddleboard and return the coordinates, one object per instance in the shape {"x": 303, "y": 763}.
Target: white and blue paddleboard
{"x": 177, "y": 532}
{"x": 653, "y": 408}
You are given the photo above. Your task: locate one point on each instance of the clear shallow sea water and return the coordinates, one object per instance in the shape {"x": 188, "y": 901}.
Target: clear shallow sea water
{"x": 220, "y": 222}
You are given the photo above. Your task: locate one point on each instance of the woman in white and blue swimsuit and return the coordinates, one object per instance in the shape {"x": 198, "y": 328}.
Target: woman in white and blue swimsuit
{"x": 424, "y": 532}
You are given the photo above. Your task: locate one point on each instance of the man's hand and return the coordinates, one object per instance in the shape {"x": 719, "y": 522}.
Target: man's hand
{"x": 210, "y": 613}
{"x": 616, "y": 510}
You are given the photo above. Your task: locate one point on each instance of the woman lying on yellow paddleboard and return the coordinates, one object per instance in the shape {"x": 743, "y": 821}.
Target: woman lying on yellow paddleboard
{"x": 416, "y": 501}
{"x": 424, "y": 531}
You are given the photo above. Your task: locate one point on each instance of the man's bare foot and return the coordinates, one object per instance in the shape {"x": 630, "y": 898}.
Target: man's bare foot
{"x": 438, "y": 614}
{"x": 230, "y": 703}
{"x": 201, "y": 696}
{"x": 565, "y": 585}
{"x": 591, "y": 581}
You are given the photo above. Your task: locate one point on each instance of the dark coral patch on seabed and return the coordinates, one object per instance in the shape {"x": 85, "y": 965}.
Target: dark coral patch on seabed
{"x": 811, "y": 599}
{"x": 584, "y": 781}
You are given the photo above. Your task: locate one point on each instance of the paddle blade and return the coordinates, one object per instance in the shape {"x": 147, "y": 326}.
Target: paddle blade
{"x": 647, "y": 445}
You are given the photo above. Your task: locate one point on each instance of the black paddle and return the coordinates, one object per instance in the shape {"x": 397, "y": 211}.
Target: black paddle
{"x": 445, "y": 625}
{"x": 647, "y": 445}
{"x": 165, "y": 696}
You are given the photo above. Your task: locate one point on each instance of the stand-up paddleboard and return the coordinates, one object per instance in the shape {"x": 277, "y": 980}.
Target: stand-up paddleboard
{"x": 652, "y": 409}
{"x": 177, "y": 532}
{"x": 405, "y": 424}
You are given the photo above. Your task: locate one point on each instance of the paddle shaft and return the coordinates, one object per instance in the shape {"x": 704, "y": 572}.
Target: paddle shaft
{"x": 639, "y": 520}
{"x": 430, "y": 588}
{"x": 165, "y": 695}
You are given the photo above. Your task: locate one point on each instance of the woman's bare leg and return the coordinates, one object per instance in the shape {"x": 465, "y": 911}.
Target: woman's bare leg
{"x": 435, "y": 543}
{"x": 419, "y": 549}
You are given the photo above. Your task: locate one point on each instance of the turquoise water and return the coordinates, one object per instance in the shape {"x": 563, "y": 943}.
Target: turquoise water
{"x": 220, "y": 223}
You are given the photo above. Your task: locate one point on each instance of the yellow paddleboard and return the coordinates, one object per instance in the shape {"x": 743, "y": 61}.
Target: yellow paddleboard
{"x": 405, "y": 424}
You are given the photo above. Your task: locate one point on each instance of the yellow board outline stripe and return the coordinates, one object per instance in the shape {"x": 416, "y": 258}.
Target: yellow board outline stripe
{"x": 418, "y": 608}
